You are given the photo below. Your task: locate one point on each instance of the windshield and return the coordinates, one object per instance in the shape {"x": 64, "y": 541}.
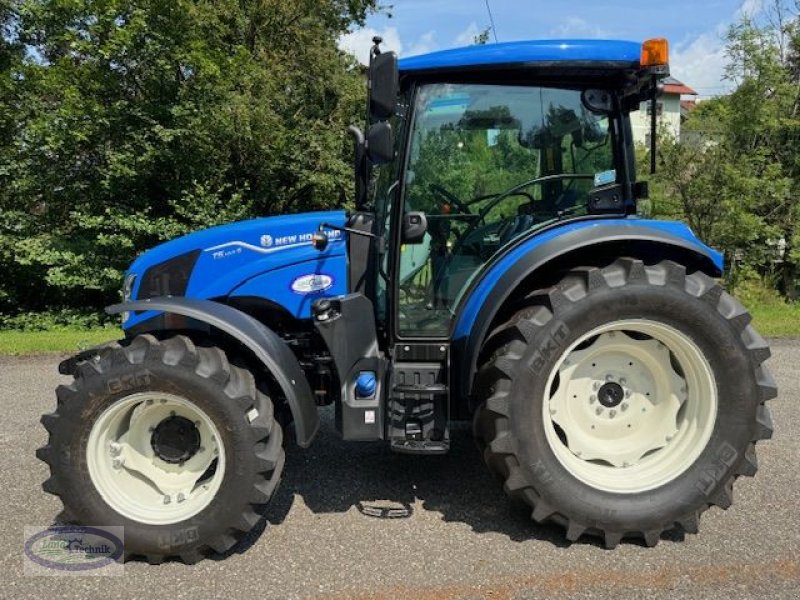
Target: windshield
{"x": 487, "y": 164}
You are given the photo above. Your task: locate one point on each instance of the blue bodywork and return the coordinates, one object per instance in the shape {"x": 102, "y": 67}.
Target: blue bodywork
{"x": 526, "y": 52}
{"x": 481, "y": 291}
{"x": 270, "y": 258}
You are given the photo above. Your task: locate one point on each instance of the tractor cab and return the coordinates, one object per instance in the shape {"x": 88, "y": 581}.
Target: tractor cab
{"x": 477, "y": 147}
{"x": 468, "y": 153}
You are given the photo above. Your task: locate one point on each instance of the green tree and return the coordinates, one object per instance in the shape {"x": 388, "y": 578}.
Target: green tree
{"x": 133, "y": 121}
{"x": 735, "y": 177}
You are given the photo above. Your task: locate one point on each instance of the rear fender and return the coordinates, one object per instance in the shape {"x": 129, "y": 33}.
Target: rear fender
{"x": 523, "y": 267}
{"x": 265, "y": 344}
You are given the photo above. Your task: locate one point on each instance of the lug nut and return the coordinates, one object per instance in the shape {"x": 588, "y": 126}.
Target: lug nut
{"x": 624, "y": 406}
{"x": 599, "y": 410}
{"x": 115, "y": 449}
{"x": 167, "y": 499}
{"x": 628, "y": 393}
{"x": 596, "y": 386}
{"x": 609, "y": 377}
{"x": 612, "y": 413}
{"x": 622, "y": 381}
{"x": 181, "y": 497}
{"x": 592, "y": 399}
{"x": 117, "y": 463}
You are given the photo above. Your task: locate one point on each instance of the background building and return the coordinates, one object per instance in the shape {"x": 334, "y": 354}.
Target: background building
{"x": 671, "y": 111}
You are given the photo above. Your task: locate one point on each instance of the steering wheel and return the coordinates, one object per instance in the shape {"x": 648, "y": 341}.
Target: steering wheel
{"x": 525, "y": 195}
{"x": 450, "y": 197}
{"x": 482, "y": 214}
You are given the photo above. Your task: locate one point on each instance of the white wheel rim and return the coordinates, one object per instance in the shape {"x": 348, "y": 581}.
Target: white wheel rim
{"x": 134, "y": 479}
{"x": 660, "y": 426}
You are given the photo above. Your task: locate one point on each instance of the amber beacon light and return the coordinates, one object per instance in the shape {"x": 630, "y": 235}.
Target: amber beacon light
{"x": 655, "y": 53}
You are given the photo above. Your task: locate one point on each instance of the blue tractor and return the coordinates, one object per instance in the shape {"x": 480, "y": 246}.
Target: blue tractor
{"x": 494, "y": 270}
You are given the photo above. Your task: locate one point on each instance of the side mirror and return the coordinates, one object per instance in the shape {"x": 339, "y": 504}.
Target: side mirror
{"x": 415, "y": 224}
{"x": 380, "y": 143}
{"x": 384, "y": 79}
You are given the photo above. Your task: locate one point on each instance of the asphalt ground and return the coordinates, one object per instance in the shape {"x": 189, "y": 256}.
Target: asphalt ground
{"x": 461, "y": 537}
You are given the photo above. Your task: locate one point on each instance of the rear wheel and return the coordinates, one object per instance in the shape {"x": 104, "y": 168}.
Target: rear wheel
{"x": 625, "y": 400}
{"x": 168, "y": 440}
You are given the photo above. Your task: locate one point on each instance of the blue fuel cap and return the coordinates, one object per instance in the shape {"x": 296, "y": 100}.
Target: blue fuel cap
{"x": 366, "y": 384}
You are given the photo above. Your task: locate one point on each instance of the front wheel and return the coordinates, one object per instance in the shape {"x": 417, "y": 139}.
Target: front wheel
{"x": 625, "y": 400}
{"x": 170, "y": 441}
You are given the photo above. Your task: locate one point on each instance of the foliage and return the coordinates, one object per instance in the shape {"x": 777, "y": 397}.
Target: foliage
{"x": 735, "y": 177}
{"x": 53, "y": 320}
{"x": 128, "y": 122}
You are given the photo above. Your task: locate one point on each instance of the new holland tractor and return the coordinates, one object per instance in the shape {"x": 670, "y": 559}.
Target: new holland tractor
{"x": 493, "y": 270}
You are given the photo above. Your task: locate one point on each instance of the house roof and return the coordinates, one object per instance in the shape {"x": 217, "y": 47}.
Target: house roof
{"x": 673, "y": 86}
{"x": 526, "y": 53}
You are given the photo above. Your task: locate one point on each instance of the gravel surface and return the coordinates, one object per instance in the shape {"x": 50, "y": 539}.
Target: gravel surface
{"x": 462, "y": 538}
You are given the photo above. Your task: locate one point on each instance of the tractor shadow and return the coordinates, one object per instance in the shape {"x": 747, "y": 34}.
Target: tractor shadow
{"x": 334, "y": 476}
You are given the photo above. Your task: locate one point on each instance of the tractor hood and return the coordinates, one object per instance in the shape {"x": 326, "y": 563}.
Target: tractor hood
{"x": 270, "y": 258}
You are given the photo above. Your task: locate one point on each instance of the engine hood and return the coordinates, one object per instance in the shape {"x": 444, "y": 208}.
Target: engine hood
{"x": 215, "y": 262}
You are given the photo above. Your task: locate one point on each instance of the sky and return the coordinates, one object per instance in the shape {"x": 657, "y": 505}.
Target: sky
{"x": 695, "y": 28}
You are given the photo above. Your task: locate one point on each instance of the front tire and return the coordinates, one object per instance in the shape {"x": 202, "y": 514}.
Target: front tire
{"x": 624, "y": 401}
{"x": 170, "y": 441}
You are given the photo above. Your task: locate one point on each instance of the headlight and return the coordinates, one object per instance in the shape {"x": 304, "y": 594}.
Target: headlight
{"x": 127, "y": 291}
{"x": 127, "y": 286}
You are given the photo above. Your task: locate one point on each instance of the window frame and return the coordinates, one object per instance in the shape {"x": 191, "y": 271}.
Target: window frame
{"x": 620, "y": 130}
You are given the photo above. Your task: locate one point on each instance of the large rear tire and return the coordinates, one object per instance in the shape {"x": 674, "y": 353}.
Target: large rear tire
{"x": 170, "y": 441}
{"x": 624, "y": 401}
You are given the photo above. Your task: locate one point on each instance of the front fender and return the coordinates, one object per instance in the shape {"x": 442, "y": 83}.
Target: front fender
{"x": 270, "y": 349}
{"x": 498, "y": 282}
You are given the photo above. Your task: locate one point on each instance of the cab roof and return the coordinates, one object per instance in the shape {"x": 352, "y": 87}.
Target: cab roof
{"x": 532, "y": 53}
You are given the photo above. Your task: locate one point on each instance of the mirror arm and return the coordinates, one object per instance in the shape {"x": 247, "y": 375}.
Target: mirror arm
{"x": 359, "y": 166}
{"x": 653, "y": 125}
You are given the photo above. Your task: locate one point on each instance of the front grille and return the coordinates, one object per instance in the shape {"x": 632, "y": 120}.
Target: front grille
{"x": 169, "y": 278}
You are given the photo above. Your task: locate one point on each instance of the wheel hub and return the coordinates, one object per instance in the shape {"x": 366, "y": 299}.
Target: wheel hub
{"x": 611, "y": 394}
{"x": 175, "y": 439}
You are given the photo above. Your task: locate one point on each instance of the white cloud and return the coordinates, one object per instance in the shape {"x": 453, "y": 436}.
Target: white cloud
{"x": 750, "y": 8}
{"x": 426, "y": 43}
{"x": 467, "y": 37}
{"x": 700, "y": 63}
{"x": 359, "y": 42}
{"x": 575, "y": 27}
